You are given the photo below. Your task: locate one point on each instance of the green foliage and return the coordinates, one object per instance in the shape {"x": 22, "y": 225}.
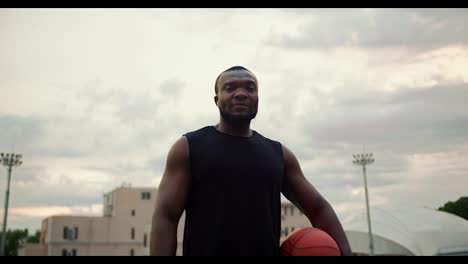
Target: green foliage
{"x": 14, "y": 239}
{"x": 459, "y": 207}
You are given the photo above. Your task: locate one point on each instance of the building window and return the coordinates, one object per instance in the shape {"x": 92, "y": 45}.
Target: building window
{"x": 65, "y": 232}
{"x": 133, "y": 212}
{"x": 73, "y": 252}
{"x": 145, "y": 240}
{"x": 284, "y": 232}
{"x": 64, "y": 252}
{"x": 76, "y": 233}
{"x": 70, "y": 233}
{"x": 146, "y": 196}
{"x": 132, "y": 252}
{"x": 133, "y": 233}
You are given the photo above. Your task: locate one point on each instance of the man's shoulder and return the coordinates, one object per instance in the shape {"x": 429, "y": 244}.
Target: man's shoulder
{"x": 268, "y": 139}
{"x": 198, "y": 132}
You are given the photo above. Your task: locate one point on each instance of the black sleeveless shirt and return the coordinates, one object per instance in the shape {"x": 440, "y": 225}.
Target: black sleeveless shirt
{"x": 234, "y": 201}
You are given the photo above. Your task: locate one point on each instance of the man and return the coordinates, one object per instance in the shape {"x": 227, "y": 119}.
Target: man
{"x": 228, "y": 178}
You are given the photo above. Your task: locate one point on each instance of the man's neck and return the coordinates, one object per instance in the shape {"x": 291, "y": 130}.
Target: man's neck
{"x": 240, "y": 129}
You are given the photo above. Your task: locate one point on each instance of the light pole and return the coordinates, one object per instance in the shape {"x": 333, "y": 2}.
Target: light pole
{"x": 8, "y": 160}
{"x": 363, "y": 160}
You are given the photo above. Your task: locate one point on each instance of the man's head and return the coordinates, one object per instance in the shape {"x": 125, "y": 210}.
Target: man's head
{"x": 236, "y": 96}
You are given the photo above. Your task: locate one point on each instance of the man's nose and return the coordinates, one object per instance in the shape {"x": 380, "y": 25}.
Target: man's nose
{"x": 240, "y": 95}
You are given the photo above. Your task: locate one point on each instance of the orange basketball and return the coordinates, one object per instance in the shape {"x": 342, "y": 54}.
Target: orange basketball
{"x": 309, "y": 241}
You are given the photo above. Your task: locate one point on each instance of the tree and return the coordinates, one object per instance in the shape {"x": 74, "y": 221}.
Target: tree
{"x": 35, "y": 238}
{"x": 14, "y": 239}
{"x": 459, "y": 207}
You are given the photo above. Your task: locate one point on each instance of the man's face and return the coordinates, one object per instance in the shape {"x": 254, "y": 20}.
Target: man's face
{"x": 237, "y": 97}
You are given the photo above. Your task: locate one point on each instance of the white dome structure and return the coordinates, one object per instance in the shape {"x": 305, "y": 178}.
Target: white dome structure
{"x": 408, "y": 231}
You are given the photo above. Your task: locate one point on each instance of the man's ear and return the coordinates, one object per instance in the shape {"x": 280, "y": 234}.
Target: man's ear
{"x": 216, "y": 99}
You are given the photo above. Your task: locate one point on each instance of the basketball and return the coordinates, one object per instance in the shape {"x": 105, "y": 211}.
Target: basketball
{"x": 309, "y": 241}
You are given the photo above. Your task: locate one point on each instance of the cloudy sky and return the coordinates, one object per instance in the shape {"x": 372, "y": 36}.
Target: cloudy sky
{"x": 94, "y": 98}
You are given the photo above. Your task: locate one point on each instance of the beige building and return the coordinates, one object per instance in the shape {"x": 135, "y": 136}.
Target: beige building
{"x": 126, "y": 211}
{"x": 291, "y": 219}
{"x": 31, "y": 249}
{"x": 123, "y": 230}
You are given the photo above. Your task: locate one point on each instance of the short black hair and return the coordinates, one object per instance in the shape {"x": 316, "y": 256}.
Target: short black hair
{"x": 234, "y": 68}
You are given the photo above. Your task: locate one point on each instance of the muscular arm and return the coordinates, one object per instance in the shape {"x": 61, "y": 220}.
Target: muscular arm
{"x": 320, "y": 213}
{"x": 170, "y": 200}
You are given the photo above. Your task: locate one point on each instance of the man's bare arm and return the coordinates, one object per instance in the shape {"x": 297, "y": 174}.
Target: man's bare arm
{"x": 171, "y": 200}
{"x": 317, "y": 209}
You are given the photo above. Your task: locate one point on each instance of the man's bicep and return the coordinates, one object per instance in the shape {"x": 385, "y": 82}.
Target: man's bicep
{"x": 297, "y": 188}
{"x": 175, "y": 182}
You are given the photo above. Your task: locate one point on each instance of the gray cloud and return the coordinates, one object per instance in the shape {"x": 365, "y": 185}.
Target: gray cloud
{"x": 336, "y": 178}
{"x": 421, "y": 120}
{"x": 66, "y": 138}
{"x": 110, "y": 121}
{"x": 171, "y": 87}
{"x": 130, "y": 106}
{"x": 121, "y": 135}
{"x": 45, "y": 190}
{"x": 133, "y": 109}
{"x": 391, "y": 125}
{"x": 377, "y": 28}
{"x": 19, "y": 133}
{"x": 41, "y": 137}
{"x": 335, "y": 169}
{"x": 140, "y": 171}
{"x": 36, "y": 186}
{"x": 27, "y": 174}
